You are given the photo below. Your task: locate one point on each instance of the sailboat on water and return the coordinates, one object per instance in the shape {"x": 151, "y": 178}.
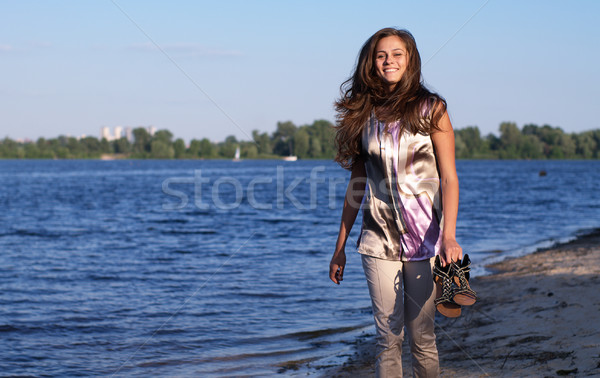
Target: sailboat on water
{"x": 290, "y": 157}
{"x": 237, "y": 154}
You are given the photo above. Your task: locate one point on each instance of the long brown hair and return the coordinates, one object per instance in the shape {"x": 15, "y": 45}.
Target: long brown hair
{"x": 365, "y": 92}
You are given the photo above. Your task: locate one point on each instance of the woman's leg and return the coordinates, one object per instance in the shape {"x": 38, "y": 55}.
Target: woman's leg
{"x": 384, "y": 279}
{"x": 420, "y": 317}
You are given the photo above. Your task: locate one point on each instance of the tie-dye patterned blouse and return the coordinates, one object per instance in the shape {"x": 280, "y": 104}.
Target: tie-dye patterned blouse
{"x": 402, "y": 207}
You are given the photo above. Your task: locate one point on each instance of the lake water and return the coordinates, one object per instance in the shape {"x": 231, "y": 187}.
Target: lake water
{"x": 212, "y": 268}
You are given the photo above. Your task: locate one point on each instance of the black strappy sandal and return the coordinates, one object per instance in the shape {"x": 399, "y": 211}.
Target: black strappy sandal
{"x": 443, "y": 277}
{"x": 463, "y": 294}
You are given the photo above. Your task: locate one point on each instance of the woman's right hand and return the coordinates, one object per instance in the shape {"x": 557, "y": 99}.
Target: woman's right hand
{"x": 352, "y": 202}
{"x": 336, "y": 267}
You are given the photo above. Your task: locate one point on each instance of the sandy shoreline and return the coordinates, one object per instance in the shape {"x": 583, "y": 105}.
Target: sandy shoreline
{"x": 537, "y": 315}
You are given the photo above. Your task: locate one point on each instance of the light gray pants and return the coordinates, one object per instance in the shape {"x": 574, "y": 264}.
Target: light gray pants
{"x": 402, "y": 294}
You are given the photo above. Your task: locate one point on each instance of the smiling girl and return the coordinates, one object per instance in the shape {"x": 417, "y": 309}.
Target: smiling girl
{"x": 396, "y": 138}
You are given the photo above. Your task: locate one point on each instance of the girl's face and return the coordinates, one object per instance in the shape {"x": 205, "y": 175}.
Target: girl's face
{"x": 391, "y": 60}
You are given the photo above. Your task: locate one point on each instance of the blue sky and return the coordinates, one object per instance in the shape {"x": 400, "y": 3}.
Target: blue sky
{"x": 70, "y": 67}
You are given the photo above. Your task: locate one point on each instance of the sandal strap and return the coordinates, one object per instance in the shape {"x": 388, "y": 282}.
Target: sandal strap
{"x": 447, "y": 293}
{"x": 463, "y": 270}
{"x": 462, "y": 280}
{"x": 442, "y": 271}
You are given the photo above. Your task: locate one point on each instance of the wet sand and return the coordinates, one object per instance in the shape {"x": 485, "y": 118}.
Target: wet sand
{"x": 537, "y": 315}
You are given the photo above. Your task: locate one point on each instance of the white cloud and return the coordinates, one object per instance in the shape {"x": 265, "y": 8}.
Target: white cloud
{"x": 188, "y": 49}
{"x": 6, "y": 48}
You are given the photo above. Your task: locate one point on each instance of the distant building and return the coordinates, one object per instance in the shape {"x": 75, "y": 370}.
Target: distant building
{"x": 122, "y": 132}
{"x": 118, "y": 132}
{"x": 105, "y": 133}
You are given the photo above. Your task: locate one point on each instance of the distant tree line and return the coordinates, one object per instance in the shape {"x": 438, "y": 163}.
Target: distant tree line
{"x": 530, "y": 142}
{"x": 313, "y": 141}
{"x": 307, "y": 142}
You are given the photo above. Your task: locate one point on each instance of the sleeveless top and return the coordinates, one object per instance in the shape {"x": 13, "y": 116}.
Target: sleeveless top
{"x": 402, "y": 206}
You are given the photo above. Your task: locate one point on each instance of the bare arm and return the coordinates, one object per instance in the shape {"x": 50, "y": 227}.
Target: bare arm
{"x": 354, "y": 195}
{"x": 444, "y": 147}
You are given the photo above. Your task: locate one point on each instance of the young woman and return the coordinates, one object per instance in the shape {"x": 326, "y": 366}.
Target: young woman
{"x": 396, "y": 138}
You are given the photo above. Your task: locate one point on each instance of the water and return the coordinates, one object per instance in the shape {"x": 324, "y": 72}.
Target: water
{"x": 210, "y": 268}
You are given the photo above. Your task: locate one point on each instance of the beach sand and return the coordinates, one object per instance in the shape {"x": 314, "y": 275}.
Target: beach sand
{"x": 537, "y": 315}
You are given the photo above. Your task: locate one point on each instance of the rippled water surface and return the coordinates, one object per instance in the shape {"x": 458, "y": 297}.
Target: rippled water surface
{"x": 138, "y": 268}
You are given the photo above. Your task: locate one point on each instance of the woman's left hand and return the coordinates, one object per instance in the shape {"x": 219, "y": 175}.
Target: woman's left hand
{"x": 452, "y": 251}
